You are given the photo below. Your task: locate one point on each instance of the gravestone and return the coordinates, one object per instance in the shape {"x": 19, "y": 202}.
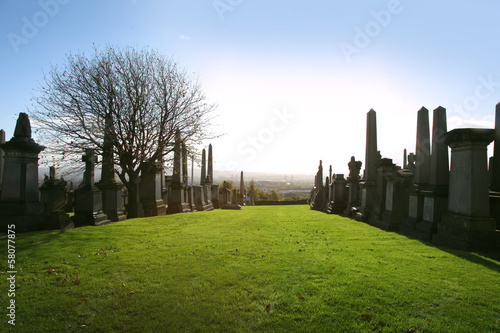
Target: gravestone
{"x": 216, "y": 202}
{"x": 88, "y": 198}
{"x": 384, "y": 166}
{"x": 150, "y": 189}
{"x": 191, "y": 198}
{"x": 339, "y": 199}
{"x": 234, "y": 196}
{"x": 176, "y": 201}
{"x": 436, "y": 194}
{"x": 353, "y": 183}
{"x": 399, "y": 183}
{"x": 53, "y": 196}
{"x": 19, "y": 201}
{"x": 112, "y": 195}
{"x": 495, "y": 172}
{"x": 421, "y": 172}
{"x": 317, "y": 201}
{"x": 242, "y": 191}
{"x": 2, "y": 141}
{"x": 369, "y": 183}
{"x": 467, "y": 224}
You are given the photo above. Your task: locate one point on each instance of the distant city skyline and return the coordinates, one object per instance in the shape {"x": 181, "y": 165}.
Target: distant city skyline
{"x": 293, "y": 80}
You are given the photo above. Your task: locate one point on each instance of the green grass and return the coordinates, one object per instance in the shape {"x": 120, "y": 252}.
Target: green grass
{"x": 262, "y": 269}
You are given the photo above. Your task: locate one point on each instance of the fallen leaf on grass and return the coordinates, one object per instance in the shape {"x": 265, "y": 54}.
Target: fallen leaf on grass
{"x": 65, "y": 308}
{"x": 366, "y": 316}
{"x": 131, "y": 293}
{"x": 268, "y": 307}
{"x": 301, "y": 297}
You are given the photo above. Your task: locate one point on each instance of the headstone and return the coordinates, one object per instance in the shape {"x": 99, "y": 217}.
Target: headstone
{"x": 242, "y": 192}
{"x": 369, "y": 183}
{"x": 399, "y": 184}
{"x": 384, "y": 166}
{"x": 150, "y": 189}
{"x": 191, "y": 199}
{"x": 317, "y": 202}
{"x": 215, "y": 196}
{"x": 467, "y": 224}
{"x": 203, "y": 167}
{"x": 495, "y": 172}
{"x": 436, "y": 194}
{"x": 210, "y": 171}
{"x": 53, "y": 196}
{"x": 353, "y": 183}
{"x": 339, "y": 199}
{"x": 234, "y": 196}
{"x": 2, "y": 141}
{"x": 19, "y": 202}
{"x": 88, "y": 198}
{"x": 176, "y": 201}
{"x": 112, "y": 195}
{"x": 421, "y": 174}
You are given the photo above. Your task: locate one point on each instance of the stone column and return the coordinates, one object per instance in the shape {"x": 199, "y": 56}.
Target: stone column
{"x": 339, "y": 200}
{"x": 2, "y": 141}
{"x": 19, "y": 202}
{"x": 176, "y": 201}
{"x": 210, "y": 171}
{"x": 241, "y": 196}
{"x": 203, "y": 167}
{"x": 369, "y": 184}
{"x": 319, "y": 197}
{"x": 467, "y": 224}
{"x": 436, "y": 195}
{"x": 384, "y": 166}
{"x": 150, "y": 189}
{"x": 88, "y": 198}
{"x": 422, "y": 170}
{"x": 53, "y": 196}
{"x": 353, "y": 181}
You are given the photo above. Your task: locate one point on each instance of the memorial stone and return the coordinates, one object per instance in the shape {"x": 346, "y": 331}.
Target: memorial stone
{"x": 176, "y": 201}
{"x": 369, "y": 183}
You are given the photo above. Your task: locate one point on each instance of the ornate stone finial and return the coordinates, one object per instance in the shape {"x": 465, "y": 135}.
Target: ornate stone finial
{"x": 354, "y": 168}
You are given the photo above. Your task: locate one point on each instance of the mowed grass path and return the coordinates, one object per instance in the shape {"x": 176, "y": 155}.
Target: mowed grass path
{"x": 262, "y": 269}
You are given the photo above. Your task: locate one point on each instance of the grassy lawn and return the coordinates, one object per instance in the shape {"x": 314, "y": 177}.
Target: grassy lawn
{"x": 262, "y": 269}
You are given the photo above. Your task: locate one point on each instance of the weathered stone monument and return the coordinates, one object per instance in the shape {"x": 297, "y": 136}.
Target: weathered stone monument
{"x": 19, "y": 201}
{"x": 88, "y": 198}
{"x": 384, "y": 166}
{"x": 467, "y": 224}
{"x": 150, "y": 189}
{"x": 436, "y": 193}
{"x": 2, "y": 141}
{"x": 339, "y": 195}
{"x": 422, "y": 171}
{"x": 495, "y": 172}
{"x": 213, "y": 188}
{"x": 242, "y": 191}
{"x": 398, "y": 186}
{"x": 53, "y": 197}
{"x": 112, "y": 195}
{"x": 317, "y": 199}
{"x": 369, "y": 183}
{"x": 353, "y": 183}
{"x": 176, "y": 201}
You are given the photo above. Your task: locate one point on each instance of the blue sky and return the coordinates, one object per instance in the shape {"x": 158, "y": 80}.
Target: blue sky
{"x": 293, "y": 79}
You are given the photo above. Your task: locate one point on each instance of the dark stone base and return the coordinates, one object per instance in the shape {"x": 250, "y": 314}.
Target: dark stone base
{"x": 26, "y": 217}
{"x": 135, "y": 210}
{"x": 337, "y": 207}
{"x": 154, "y": 208}
{"x": 390, "y": 221}
{"x": 178, "y": 207}
{"x": 81, "y": 219}
{"x": 58, "y": 220}
{"x": 231, "y": 206}
{"x": 205, "y": 206}
{"x": 467, "y": 233}
{"x": 117, "y": 216}
{"x": 425, "y": 229}
{"x": 215, "y": 203}
{"x": 408, "y": 228}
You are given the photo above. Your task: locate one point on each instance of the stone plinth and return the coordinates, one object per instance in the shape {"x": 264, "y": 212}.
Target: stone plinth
{"x": 384, "y": 166}
{"x": 150, "y": 190}
{"x": 467, "y": 224}
{"x": 339, "y": 200}
{"x": 215, "y": 196}
{"x": 53, "y": 196}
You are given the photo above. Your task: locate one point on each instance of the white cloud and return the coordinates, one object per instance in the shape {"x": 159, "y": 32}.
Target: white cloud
{"x": 184, "y": 37}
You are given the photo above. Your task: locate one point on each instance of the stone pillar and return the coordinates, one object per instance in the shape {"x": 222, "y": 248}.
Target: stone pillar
{"x": 241, "y": 195}
{"x": 353, "y": 181}
{"x": 495, "y": 172}
{"x": 176, "y": 201}
{"x": 19, "y": 202}
{"x": 467, "y": 224}
{"x": 150, "y": 189}
{"x": 88, "y": 198}
{"x": 369, "y": 184}
{"x": 422, "y": 171}
{"x": 339, "y": 199}
{"x": 210, "y": 171}
{"x": 384, "y": 166}
{"x": 215, "y": 196}
{"x": 234, "y": 196}
{"x": 2, "y": 141}
{"x": 203, "y": 167}
{"x": 436, "y": 194}
{"x": 319, "y": 195}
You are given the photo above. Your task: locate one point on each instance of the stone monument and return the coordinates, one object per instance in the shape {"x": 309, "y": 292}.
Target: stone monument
{"x": 53, "y": 196}
{"x": 369, "y": 183}
{"x": 176, "y": 201}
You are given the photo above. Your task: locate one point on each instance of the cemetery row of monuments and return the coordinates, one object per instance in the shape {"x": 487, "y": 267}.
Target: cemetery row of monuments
{"x": 96, "y": 203}
{"x": 457, "y": 206}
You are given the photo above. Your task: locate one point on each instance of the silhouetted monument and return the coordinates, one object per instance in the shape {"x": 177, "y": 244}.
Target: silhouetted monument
{"x": 242, "y": 192}
{"x": 2, "y": 141}
{"x": 495, "y": 172}
{"x": 176, "y": 202}
{"x": 19, "y": 202}
{"x": 369, "y": 183}
{"x": 353, "y": 183}
{"x": 150, "y": 189}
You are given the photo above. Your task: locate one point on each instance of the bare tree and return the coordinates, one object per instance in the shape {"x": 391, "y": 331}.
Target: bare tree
{"x": 135, "y": 98}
